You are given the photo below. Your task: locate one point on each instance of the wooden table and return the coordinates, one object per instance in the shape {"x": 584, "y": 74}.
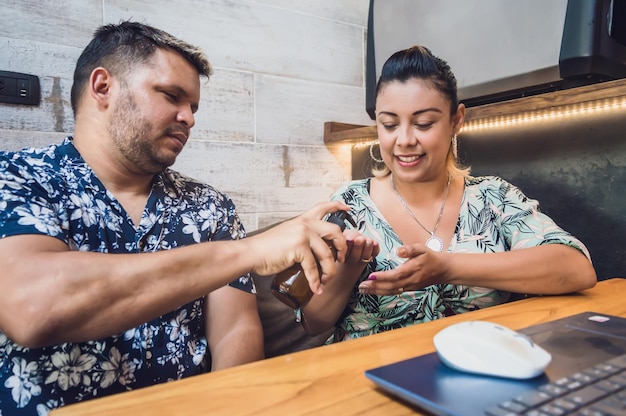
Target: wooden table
{"x": 329, "y": 380}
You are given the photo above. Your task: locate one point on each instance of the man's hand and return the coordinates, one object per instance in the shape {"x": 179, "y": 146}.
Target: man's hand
{"x": 302, "y": 240}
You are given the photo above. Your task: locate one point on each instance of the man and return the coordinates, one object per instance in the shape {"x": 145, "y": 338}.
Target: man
{"x": 101, "y": 243}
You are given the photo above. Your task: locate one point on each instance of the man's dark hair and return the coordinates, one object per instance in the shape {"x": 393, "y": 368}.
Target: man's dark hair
{"x": 119, "y": 47}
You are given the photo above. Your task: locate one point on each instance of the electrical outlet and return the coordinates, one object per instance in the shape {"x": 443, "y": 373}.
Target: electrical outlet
{"x": 17, "y": 88}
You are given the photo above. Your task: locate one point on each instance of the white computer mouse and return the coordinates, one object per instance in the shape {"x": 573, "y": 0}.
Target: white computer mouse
{"x": 482, "y": 347}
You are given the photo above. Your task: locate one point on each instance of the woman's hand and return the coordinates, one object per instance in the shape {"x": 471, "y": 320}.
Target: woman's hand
{"x": 423, "y": 267}
{"x": 323, "y": 311}
{"x": 361, "y": 249}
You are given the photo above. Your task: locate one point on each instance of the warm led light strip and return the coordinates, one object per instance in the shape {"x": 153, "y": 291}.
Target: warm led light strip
{"x": 364, "y": 143}
{"x": 553, "y": 113}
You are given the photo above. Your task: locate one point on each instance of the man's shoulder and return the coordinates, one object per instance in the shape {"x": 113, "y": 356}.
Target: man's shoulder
{"x": 31, "y": 155}
{"x": 36, "y": 163}
{"x": 26, "y": 152}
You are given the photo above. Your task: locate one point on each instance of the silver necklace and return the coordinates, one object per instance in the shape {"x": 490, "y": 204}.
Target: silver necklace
{"x": 434, "y": 243}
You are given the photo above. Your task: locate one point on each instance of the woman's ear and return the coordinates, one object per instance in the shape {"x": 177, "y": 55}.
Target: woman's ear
{"x": 459, "y": 118}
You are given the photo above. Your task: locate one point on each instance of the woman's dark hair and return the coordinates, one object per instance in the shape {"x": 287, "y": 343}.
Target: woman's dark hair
{"x": 119, "y": 47}
{"x": 418, "y": 62}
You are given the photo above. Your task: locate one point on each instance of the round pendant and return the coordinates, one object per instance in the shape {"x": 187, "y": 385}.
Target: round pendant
{"x": 434, "y": 243}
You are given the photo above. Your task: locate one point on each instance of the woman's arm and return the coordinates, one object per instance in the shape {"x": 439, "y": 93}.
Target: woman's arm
{"x": 323, "y": 310}
{"x": 545, "y": 269}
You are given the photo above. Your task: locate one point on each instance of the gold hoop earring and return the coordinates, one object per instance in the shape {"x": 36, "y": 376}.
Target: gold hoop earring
{"x": 372, "y": 153}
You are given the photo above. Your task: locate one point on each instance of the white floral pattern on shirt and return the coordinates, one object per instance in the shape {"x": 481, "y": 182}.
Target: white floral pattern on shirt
{"x": 52, "y": 191}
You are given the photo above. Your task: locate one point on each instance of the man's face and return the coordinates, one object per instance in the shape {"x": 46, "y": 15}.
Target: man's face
{"x": 153, "y": 113}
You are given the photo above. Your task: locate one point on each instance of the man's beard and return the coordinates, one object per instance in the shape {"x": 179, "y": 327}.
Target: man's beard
{"x": 130, "y": 132}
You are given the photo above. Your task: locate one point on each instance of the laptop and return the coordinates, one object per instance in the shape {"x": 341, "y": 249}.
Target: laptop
{"x": 576, "y": 342}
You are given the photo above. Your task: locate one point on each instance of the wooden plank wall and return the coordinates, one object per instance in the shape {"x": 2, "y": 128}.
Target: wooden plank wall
{"x": 282, "y": 68}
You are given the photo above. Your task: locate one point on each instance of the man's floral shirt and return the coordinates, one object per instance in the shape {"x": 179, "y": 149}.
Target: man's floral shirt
{"x": 52, "y": 191}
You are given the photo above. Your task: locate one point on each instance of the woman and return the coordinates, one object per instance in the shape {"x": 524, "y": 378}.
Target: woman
{"x": 436, "y": 241}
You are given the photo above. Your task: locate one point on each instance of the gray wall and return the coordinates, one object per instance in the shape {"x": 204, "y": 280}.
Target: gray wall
{"x": 282, "y": 68}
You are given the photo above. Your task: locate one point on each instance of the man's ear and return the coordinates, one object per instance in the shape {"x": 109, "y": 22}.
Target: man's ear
{"x": 100, "y": 86}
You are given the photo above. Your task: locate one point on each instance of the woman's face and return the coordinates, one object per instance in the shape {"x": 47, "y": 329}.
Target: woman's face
{"x": 415, "y": 129}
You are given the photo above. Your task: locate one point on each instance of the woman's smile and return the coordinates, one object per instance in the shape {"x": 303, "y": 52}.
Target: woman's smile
{"x": 409, "y": 160}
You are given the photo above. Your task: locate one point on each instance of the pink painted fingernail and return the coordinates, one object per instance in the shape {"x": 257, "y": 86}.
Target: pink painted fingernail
{"x": 372, "y": 277}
